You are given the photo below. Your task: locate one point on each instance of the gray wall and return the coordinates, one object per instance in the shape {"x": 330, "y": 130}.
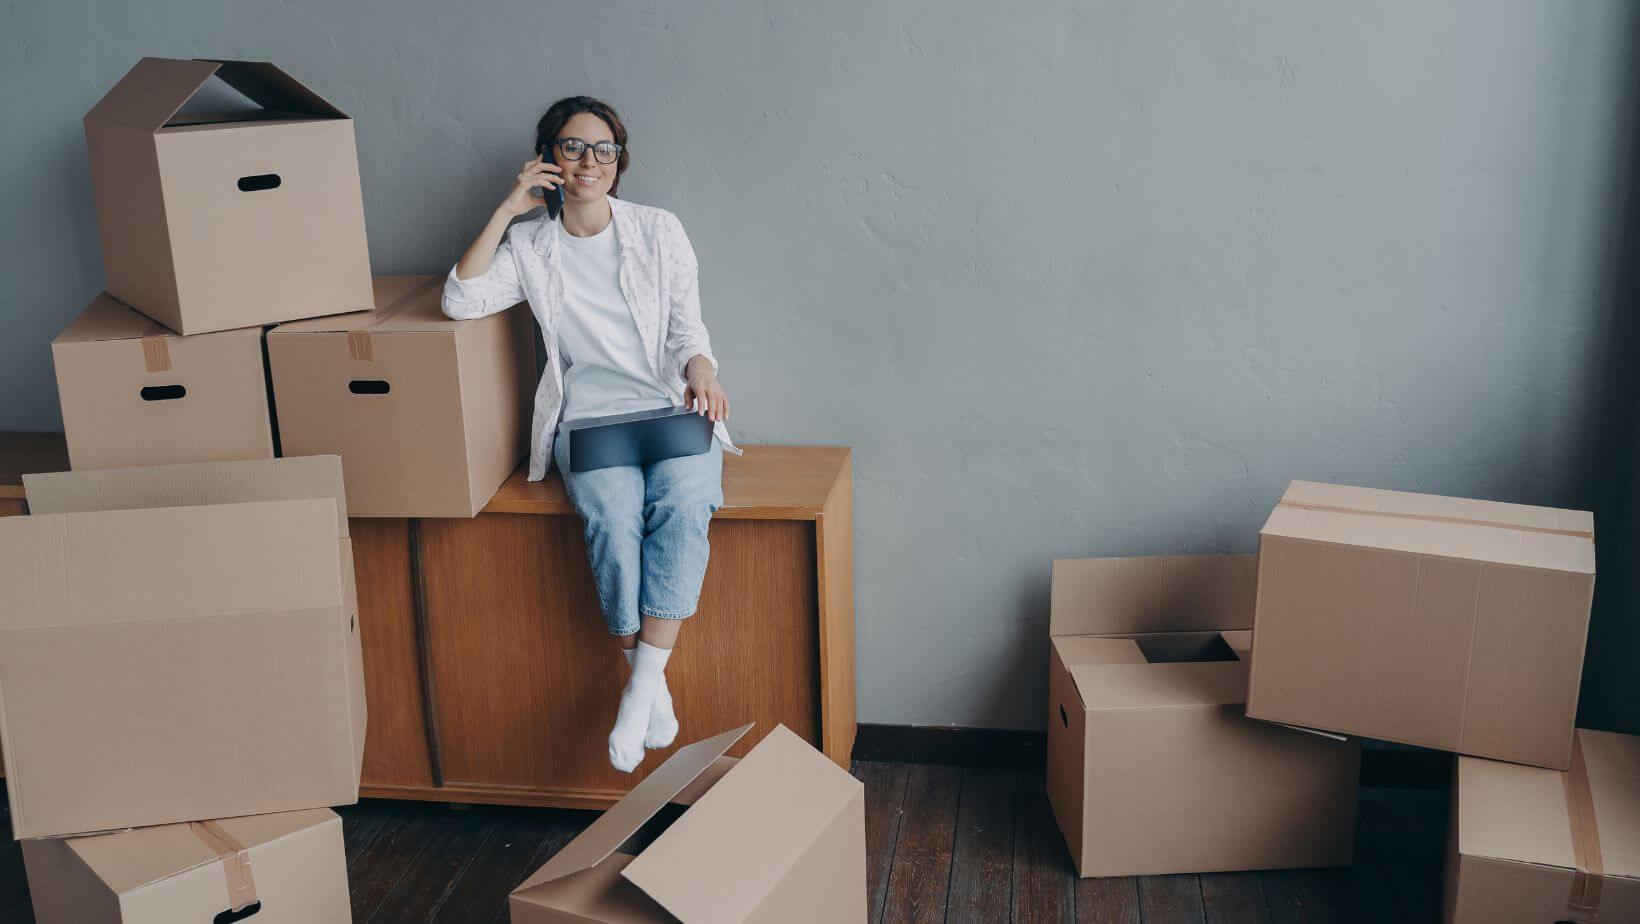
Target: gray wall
{"x": 1072, "y": 278}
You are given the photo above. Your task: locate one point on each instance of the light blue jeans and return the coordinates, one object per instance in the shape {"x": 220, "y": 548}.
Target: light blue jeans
{"x": 646, "y": 532}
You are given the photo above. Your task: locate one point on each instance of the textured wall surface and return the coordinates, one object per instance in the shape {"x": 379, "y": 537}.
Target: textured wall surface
{"x": 1072, "y": 278}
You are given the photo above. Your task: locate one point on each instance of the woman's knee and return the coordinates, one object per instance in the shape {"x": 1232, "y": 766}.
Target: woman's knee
{"x": 679, "y": 511}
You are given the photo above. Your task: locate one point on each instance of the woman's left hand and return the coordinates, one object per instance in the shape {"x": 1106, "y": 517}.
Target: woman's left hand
{"x": 703, "y": 394}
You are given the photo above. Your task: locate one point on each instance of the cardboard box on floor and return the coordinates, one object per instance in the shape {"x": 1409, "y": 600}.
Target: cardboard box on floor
{"x": 778, "y": 835}
{"x": 165, "y": 663}
{"x": 1152, "y": 765}
{"x": 134, "y": 393}
{"x": 1447, "y": 623}
{"x": 429, "y": 415}
{"x": 284, "y": 868}
{"x": 224, "y": 220}
{"x": 1533, "y": 845}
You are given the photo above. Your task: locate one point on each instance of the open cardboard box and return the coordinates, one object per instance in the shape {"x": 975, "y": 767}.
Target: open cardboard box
{"x": 179, "y": 642}
{"x": 224, "y": 222}
{"x": 1436, "y": 621}
{"x": 1153, "y": 766}
{"x": 134, "y": 393}
{"x": 1532, "y": 845}
{"x": 778, "y": 835}
{"x": 430, "y": 415}
{"x": 284, "y": 868}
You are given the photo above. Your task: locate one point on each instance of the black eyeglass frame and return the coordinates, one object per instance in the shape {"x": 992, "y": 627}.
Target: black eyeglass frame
{"x": 588, "y": 146}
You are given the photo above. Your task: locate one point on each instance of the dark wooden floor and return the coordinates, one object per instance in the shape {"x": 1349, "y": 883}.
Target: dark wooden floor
{"x": 943, "y": 844}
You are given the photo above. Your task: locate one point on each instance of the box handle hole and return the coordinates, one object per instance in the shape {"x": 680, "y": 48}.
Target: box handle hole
{"x": 230, "y": 916}
{"x": 163, "y": 392}
{"x": 369, "y": 387}
{"x": 258, "y": 182}
{"x": 1063, "y": 717}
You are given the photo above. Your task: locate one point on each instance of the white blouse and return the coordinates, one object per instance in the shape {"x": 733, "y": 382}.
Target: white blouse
{"x": 658, "y": 278}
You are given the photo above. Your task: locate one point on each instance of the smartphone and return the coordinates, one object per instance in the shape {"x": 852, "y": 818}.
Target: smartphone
{"x": 553, "y": 198}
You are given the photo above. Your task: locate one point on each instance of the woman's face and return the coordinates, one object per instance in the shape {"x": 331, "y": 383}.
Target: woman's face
{"x": 586, "y": 179}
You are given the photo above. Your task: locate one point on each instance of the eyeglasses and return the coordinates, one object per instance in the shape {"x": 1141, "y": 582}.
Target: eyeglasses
{"x": 574, "y": 149}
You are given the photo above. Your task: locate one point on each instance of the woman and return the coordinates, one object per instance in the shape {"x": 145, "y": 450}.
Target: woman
{"x": 613, "y": 286}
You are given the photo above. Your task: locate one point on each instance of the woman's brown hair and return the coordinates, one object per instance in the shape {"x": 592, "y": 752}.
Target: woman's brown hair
{"x": 552, "y": 122}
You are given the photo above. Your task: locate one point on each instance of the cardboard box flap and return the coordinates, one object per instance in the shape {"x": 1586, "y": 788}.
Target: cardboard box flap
{"x": 1142, "y": 686}
{"x": 1516, "y": 812}
{"x": 190, "y": 484}
{"x": 151, "y": 93}
{"x": 404, "y": 304}
{"x": 719, "y": 860}
{"x": 271, "y": 88}
{"x": 73, "y": 569}
{"x": 108, "y": 318}
{"x": 128, "y": 860}
{"x": 1076, "y": 650}
{"x": 1168, "y": 593}
{"x": 625, "y": 817}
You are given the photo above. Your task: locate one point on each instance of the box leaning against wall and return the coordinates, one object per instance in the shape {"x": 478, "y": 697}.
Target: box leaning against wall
{"x": 226, "y": 219}
{"x": 1437, "y": 621}
{"x": 1153, "y": 767}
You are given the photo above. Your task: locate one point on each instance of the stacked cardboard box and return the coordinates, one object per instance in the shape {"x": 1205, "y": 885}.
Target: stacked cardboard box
{"x": 429, "y": 415}
{"x": 1434, "y": 621}
{"x": 217, "y": 225}
{"x": 1458, "y": 625}
{"x": 179, "y": 645}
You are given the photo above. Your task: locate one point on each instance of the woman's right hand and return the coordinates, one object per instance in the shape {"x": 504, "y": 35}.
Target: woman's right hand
{"x": 536, "y": 173}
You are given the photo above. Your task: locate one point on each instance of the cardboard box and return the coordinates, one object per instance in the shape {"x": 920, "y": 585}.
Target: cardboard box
{"x": 429, "y": 415}
{"x": 286, "y": 868}
{"x": 169, "y": 663}
{"x": 1451, "y": 624}
{"x": 1152, "y": 765}
{"x": 134, "y": 393}
{"x": 227, "y": 220}
{"x": 1528, "y": 844}
{"x": 777, "y": 836}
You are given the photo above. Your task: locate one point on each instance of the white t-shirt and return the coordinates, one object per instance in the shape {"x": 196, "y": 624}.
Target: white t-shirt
{"x": 608, "y": 373}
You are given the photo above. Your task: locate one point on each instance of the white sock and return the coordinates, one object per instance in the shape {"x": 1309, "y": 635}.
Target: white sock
{"x": 632, "y": 719}
{"x": 663, "y": 722}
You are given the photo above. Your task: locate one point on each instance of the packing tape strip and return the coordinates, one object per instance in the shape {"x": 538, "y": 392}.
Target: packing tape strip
{"x": 1590, "y": 872}
{"x": 1327, "y": 508}
{"x": 358, "y": 340}
{"x": 236, "y": 862}
{"x": 156, "y": 354}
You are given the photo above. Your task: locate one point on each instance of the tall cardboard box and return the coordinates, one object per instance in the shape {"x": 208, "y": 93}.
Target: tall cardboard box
{"x": 777, "y": 836}
{"x": 1153, "y": 766}
{"x": 1448, "y": 623}
{"x": 221, "y": 221}
{"x": 161, "y": 664}
{"x": 1531, "y": 845}
{"x": 429, "y": 415}
{"x": 134, "y": 393}
{"x": 285, "y": 868}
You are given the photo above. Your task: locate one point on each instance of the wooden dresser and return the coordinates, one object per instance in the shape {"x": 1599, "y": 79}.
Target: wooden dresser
{"x": 489, "y": 672}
